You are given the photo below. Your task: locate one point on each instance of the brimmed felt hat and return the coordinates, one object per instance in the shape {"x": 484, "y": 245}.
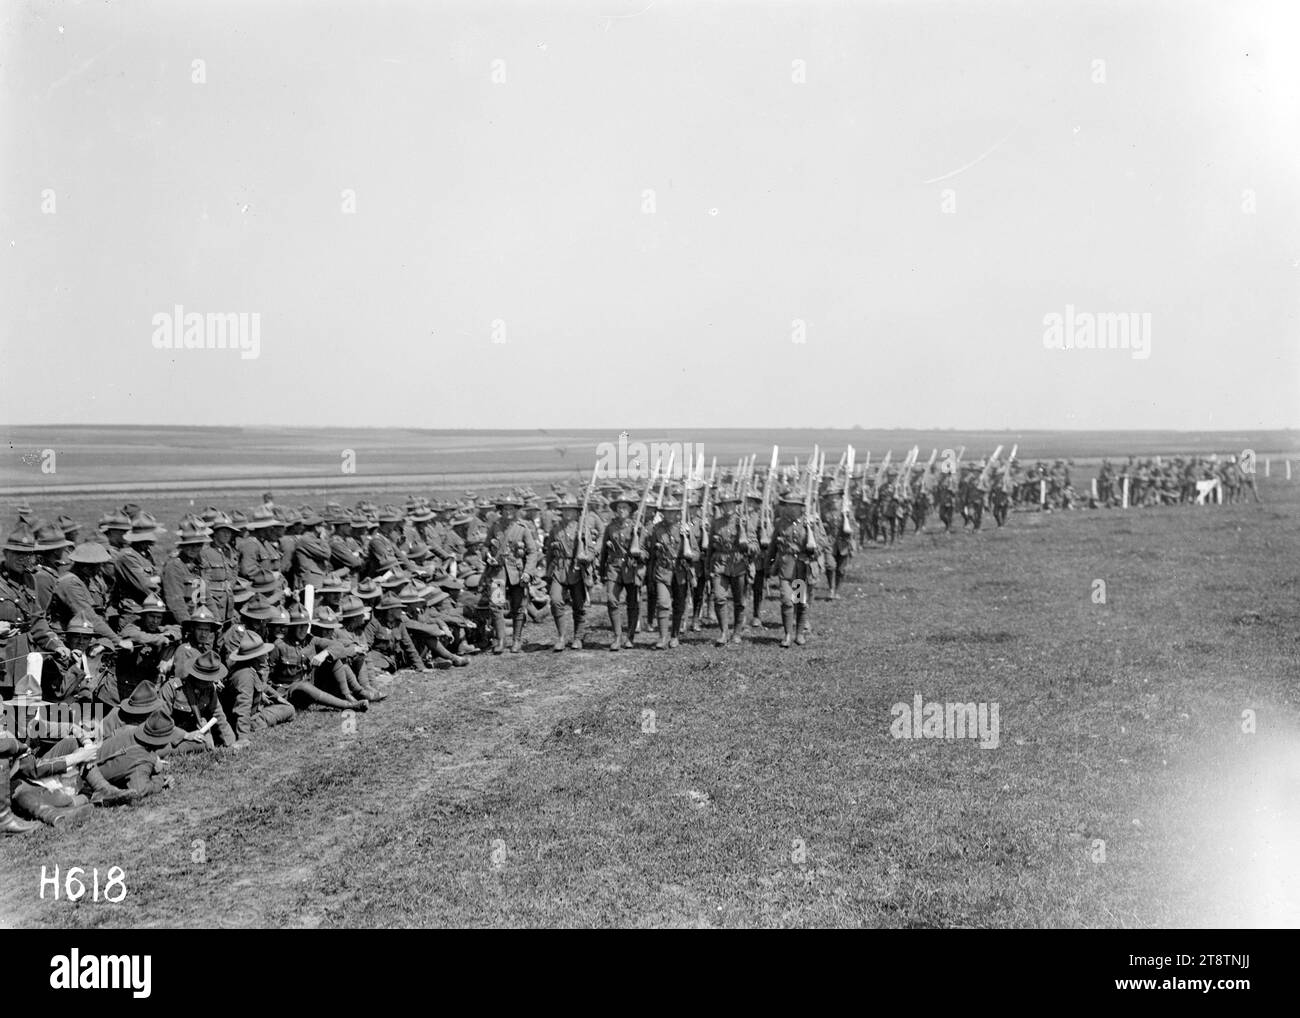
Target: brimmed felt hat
{"x": 390, "y": 514}
{"x": 418, "y": 552}
{"x": 396, "y": 581}
{"x": 21, "y": 538}
{"x": 298, "y": 615}
{"x": 202, "y": 616}
{"x": 389, "y": 601}
{"x": 241, "y": 590}
{"x": 207, "y": 667}
{"x": 144, "y": 528}
{"x": 435, "y": 597}
{"x": 91, "y": 553}
{"x": 569, "y": 501}
{"x": 50, "y": 538}
{"x": 409, "y": 594}
{"x": 67, "y": 524}
{"x": 251, "y": 647}
{"x": 462, "y": 519}
{"x": 261, "y": 518}
{"x": 449, "y": 582}
{"x": 142, "y": 702}
{"x": 280, "y": 617}
{"x": 239, "y": 520}
{"x": 791, "y": 498}
{"x": 352, "y": 607}
{"x": 334, "y": 584}
{"x": 507, "y": 498}
{"x": 157, "y": 730}
{"x": 114, "y": 521}
{"x": 265, "y": 582}
{"x": 325, "y": 618}
{"x": 80, "y": 624}
{"x": 152, "y": 604}
{"x": 190, "y": 532}
{"x": 310, "y": 517}
{"x": 219, "y": 521}
{"x": 258, "y": 608}
{"x": 368, "y": 590}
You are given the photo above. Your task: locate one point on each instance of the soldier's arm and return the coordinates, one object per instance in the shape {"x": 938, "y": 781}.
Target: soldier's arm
{"x": 132, "y": 580}
{"x": 73, "y": 593}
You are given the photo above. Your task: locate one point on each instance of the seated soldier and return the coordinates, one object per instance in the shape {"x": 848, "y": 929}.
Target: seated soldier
{"x": 298, "y": 661}
{"x": 252, "y": 703}
{"x": 390, "y": 644}
{"x": 198, "y": 636}
{"x": 152, "y": 645}
{"x": 25, "y": 778}
{"x": 429, "y": 632}
{"x": 342, "y": 655}
{"x": 190, "y": 697}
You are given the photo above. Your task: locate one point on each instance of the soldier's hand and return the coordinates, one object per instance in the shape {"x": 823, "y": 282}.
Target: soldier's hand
{"x": 63, "y": 656}
{"x": 5, "y": 629}
{"x": 125, "y": 644}
{"x": 317, "y": 659}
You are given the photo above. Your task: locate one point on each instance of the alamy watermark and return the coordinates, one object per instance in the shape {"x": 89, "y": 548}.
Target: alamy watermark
{"x": 181, "y": 330}
{"x": 636, "y": 460}
{"x": 939, "y": 720}
{"x": 1084, "y": 330}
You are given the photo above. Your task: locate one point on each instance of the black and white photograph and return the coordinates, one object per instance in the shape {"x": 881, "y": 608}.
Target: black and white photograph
{"x": 649, "y": 464}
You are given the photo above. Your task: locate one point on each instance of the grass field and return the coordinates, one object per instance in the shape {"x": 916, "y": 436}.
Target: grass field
{"x": 766, "y": 788}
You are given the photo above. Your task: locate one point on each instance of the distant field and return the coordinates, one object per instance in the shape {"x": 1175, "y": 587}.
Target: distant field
{"x": 90, "y": 459}
{"x": 1146, "y": 772}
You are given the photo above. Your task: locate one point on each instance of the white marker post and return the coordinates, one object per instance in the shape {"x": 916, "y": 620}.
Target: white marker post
{"x": 1125, "y": 505}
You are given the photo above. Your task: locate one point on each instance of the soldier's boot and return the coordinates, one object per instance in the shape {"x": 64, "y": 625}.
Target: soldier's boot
{"x": 563, "y": 620}
{"x": 738, "y": 622}
{"x": 675, "y": 630}
{"x": 833, "y": 579}
{"x": 665, "y": 630}
{"x": 724, "y": 637}
{"x": 499, "y": 624}
{"x": 63, "y": 816}
{"x": 801, "y": 624}
{"x": 633, "y": 618}
{"x": 10, "y": 824}
{"x": 579, "y": 627}
{"x": 517, "y": 642}
{"x": 616, "y": 624}
{"x": 787, "y": 623}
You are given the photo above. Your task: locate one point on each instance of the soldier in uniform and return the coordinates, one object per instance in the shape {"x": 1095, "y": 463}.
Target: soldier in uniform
{"x": 51, "y": 556}
{"x": 83, "y": 591}
{"x": 255, "y": 554}
{"x": 23, "y": 625}
{"x": 673, "y": 555}
{"x": 838, "y": 529}
{"x": 728, "y": 565}
{"x": 182, "y": 584}
{"x": 382, "y": 553}
{"x": 569, "y": 550}
{"x": 252, "y": 703}
{"x": 792, "y": 558}
{"x": 135, "y": 576}
{"x": 191, "y": 700}
{"x": 512, "y": 557}
{"x": 622, "y": 568}
{"x": 757, "y": 557}
{"x": 219, "y": 567}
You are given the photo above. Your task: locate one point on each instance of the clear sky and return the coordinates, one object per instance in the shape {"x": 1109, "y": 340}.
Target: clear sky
{"x": 942, "y": 177}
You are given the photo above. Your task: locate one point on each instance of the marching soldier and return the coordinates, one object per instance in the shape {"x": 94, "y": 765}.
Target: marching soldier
{"x": 792, "y": 558}
{"x": 673, "y": 556}
{"x": 729, "y": 544}
{"x": 568, "y": 553}
{"x": 621, "y": 564}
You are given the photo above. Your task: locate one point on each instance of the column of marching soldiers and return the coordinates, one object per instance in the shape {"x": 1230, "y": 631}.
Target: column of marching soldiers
{"x": 117, "y": 656}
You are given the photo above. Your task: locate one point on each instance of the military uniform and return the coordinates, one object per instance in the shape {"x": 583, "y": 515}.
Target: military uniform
{"x": 673, "y": 566}
{"x": 568, "y": 554}
{"x": 728, "y": 565}
{"x": 514, "y": 555}
{"x": 791, "y": 559}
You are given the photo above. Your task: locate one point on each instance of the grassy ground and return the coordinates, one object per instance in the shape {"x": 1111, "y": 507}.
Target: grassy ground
{"x": 530, "y": 790}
